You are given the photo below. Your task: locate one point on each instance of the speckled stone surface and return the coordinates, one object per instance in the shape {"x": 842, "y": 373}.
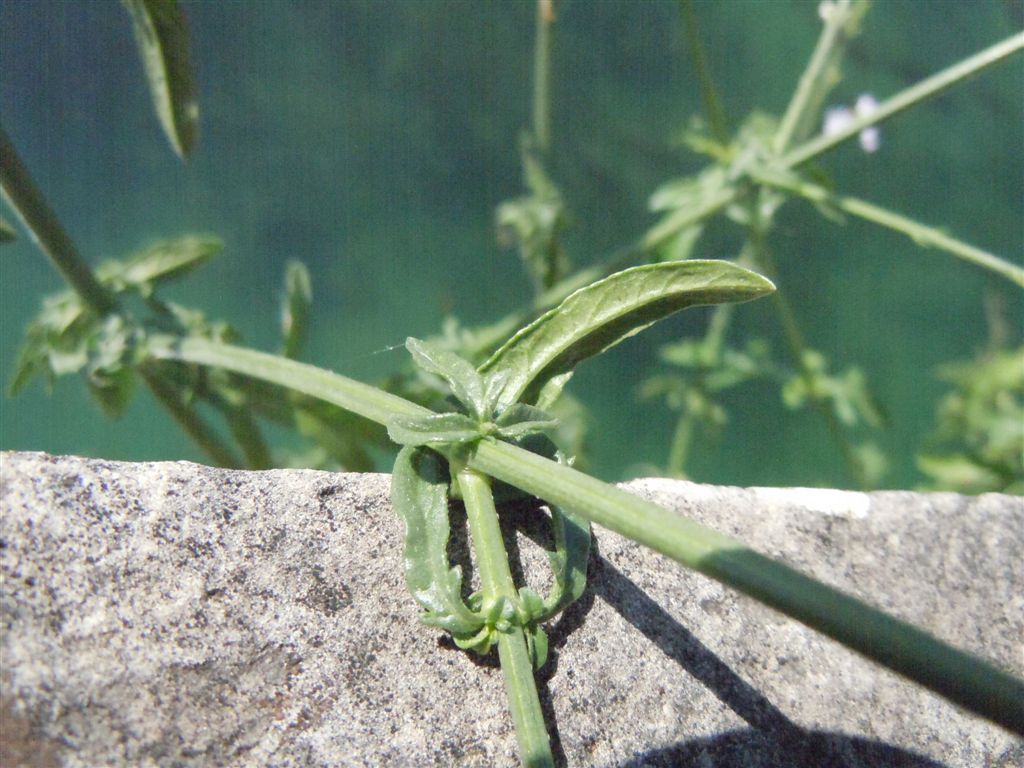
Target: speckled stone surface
{"x": 175, "y": 615}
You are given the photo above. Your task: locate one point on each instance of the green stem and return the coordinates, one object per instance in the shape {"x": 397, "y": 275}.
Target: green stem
{"x": 188, "y": 419}
{"x": 812, "y": 86}
{"x": 542, "y": 75}
{"x": 28, "y": 202}
{"x": 492, "y": 559}
{"x": 712, "y": 105}
{"x": 523, "y": 701}
{"x": 907, "y": 98}
{"x": 247, "y": 434}
{"x": 362, "y": 399}
{"x": 960, "y": 677}
{"x": 797, "y": 348}
{"x": 496, "y": 581}
{"x": 922, "y": 234}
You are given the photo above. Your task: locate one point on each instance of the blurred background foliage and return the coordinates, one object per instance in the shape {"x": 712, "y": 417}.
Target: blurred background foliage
{"x": 374, "y": 140}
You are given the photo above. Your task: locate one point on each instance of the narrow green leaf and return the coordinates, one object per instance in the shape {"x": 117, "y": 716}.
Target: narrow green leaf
{"x": 419, "y": 493}
{"x": 436, "y": 428}
{"x": 162, "y": 36}
{"x": 601, "y": 315}
{"x": 467, "y": 385}
{"x": 298, "y": 297}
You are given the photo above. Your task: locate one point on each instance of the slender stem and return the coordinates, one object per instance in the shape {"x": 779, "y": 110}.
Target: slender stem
{"x": 28, "y": 202}
{"x": 247, "y": 434}
{"x": 523, "y": 701}
{"x": 922, "y": 234}
{"x": 189, "y": 420}
{"x": 679, "y": 450}
{"x": 492, "y": 559}
{"x": 812, "y": 80}
{"x": 542, "y": 75}
{"x": 797, "y": 347}
{"x": 712, "y": 105}
{"x": 496, "y": 581}
{"x": 960, "y": 677}
{"x": 362, "y": 399}
{"x": 908, "y": 98}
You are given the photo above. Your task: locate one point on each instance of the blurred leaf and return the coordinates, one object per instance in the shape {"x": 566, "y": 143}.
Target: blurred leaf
{"x": 849, "y": 395}
{"x": 298, "y": 297}
{"x": 979, "y": 442}
{"x": 958, "y": 473}
{"x": 159, "y": 263}
{"x": 535, "y": 222}
{"x": 7, "y": 232}
{"x": 162, "y": 37}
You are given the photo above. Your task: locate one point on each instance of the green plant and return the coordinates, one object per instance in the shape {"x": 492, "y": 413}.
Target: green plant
{"x": 485, "y": 398}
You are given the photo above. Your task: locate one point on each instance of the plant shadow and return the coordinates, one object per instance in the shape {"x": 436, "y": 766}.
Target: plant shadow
{"x": 772, "y": 740}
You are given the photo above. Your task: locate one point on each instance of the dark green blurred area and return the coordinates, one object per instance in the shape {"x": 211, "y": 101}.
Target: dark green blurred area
{"x": 372, "y": 140}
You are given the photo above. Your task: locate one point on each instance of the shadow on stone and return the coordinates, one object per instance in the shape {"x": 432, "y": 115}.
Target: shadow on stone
{"x": 749, "y": 748}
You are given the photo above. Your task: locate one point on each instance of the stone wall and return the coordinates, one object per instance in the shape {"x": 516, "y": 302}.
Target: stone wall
{"x": 170, "y": 614}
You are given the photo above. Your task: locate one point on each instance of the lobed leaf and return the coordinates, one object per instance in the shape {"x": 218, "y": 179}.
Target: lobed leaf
{"x": 419, "y": 493}
{"x": 162, "y": 37}
{"x": 601, "y": 315}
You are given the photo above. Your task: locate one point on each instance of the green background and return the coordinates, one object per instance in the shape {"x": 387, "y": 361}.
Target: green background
{"x": 372, "y": 140}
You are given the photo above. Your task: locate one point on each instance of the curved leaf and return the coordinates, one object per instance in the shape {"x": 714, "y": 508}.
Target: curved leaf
{"x": 568, "y": 561}
{"x": 601, "y": 315}
{"x": 419, "y": 493}
{"x": 162, "y": 37}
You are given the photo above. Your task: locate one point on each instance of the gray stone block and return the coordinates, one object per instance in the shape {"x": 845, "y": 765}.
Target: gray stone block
{"x": 175, "y": 615}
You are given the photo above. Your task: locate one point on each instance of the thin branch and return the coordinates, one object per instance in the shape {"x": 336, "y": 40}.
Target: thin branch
{"x": 907, "y": 98}
{"x": 27, "y": 201}
{"x": 712, "y": 104}
{"x": 542, "y": 75}
{"x": 922, "y": 234}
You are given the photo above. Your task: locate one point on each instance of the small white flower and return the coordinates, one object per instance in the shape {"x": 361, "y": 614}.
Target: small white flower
{"x": 870, "y": 137}
{"x": 839, "y": 118}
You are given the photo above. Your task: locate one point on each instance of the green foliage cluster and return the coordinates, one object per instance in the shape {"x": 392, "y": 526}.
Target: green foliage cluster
{"x": 482, "y": 418}
{"x": 979, "y": 442}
